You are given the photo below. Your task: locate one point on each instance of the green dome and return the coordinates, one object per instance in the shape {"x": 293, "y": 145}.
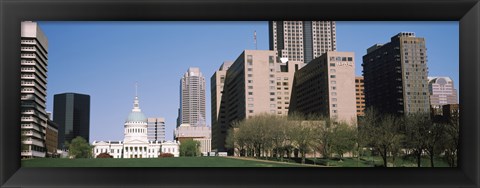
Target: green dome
{"x": 136, "y": 116}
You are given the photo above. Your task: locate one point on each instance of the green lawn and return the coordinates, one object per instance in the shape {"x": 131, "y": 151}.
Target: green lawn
{"x": 156, "y": 162}
{"x": 369, "y": 162}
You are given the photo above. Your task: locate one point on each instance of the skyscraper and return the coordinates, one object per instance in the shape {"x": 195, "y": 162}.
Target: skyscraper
{"x": 71, "y": 112}
{"x": 34, "y": 61}
{"x": 395, "y": 75}
{"x": 302, "y": 41}
{"x": 326, "y": 87}
{"x": 192, "y": 98}
{"x": 156, "y": 129}
{"x": 257, "y": 82}
{"x": 442, "y": 92}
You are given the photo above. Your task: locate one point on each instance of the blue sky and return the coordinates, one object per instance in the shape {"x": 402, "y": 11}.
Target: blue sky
{"x": 105, "y": 59}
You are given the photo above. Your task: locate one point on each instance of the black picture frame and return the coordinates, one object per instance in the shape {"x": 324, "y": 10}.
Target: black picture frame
{"x": 12, "y": 12}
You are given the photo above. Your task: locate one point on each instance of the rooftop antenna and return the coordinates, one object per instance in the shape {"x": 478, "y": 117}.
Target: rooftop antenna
{"x": 136, "y": 88}
{"x": 255, "y": 39}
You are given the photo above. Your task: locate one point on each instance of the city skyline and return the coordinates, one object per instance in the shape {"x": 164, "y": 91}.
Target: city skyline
{"x": 110, "y": 65}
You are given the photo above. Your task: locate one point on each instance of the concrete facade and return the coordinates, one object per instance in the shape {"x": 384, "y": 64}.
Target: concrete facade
{"x": 217, "y": 81}
{"x": 326, "y": 87}
{"x": 33, "y": 61}
{"x": 198, "y": 133}
{"x": 257, "y": 82}
{"x": 395, "y": 75}
{"x": 302, "y": 41}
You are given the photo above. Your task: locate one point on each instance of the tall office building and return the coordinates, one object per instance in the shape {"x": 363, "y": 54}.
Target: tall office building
{"x": 326, "y": 87}
{"x": 156, "y": 129}
{"x": 71, "y": 112}
{"x": 395, "y": 75}
{"x": 442, "y": 92}
{"x": 217, "y": 82}
{"x": 257, "y": 82}
{"x": 192, "y": 98}
{"x": 360, "y": 95}
{"x": 33, "y": 61}
{"x": 302, "y": 40}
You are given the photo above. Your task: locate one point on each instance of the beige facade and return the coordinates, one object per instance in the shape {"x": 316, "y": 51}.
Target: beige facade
{"x": 219, "y": 129}
{"x": 257, "y": 82}
{"x": 360, "y": 95}
{"x": 326, "y": 86}
{"x": 34, "y": 61}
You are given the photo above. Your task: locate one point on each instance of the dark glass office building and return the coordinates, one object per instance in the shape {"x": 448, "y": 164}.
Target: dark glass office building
{"x": 71, "y": 111}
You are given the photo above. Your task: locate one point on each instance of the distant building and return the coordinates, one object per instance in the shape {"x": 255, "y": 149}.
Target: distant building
{"x": 219, "y": 128}
{"x": 71, "y": 112}
{"x": 442, "y": 92}
{"x": 192, "y": 98}
{"x": 201, "y": 134}
{"x": 326, "y": 87}
{"x": 156, "y": 129}
{"x": 451, "y": 111}
{"x": 302, "y": 41}
{"x": 395, "y": 75}
{"x": 51, "y": 138}
{"x": 33, "y": 76}
{"x": 257, "y": 82}
{"x": 360, "y": 95}
{"x": 136, "y": 143}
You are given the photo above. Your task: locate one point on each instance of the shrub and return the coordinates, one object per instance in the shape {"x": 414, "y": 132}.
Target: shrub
{"x": 104, "y": 155}
{"x": 164, "y": 155}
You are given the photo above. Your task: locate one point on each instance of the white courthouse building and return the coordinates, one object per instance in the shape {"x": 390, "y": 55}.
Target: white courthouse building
{"x": 135, "y": 143}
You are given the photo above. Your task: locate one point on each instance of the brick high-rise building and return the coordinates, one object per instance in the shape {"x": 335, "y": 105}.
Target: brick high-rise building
{"x": 219, "y": 129}
{"x": 395, "y": 75}
{"x": 302, "y": 41}
{"x": 326, "y": 87}
{"x": 257, "y": 82}
{"x": 360, "y": 95}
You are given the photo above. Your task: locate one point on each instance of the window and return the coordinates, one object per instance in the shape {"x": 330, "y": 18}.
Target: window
{"x": 272, "y": 99}
{"x": 250, "y": 81}
{"x": 249, "y": 59}
{"x": 332, "y": 76}
{"x": 250, "y": 93}
{"x": 332, "y": 64}
{"x": 350, "y": 59}
{"x": 250, "y": 75}
{"x": 272, "y": 93}
{"x": 333, "y": 82}
{"x": 332, "y": 70}
{"x": 250, "y": 87}
{"x": 250, "y": 99}
{"x": 250, "y": 105}
{"x": 334, "y": 99}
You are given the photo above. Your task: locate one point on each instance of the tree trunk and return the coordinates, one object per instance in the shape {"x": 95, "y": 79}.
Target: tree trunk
{"x": 419, "y": 158}
{"x": 303, "y": 157}
{"x": 431, "y": 160}
{"x": 384, "y": 156}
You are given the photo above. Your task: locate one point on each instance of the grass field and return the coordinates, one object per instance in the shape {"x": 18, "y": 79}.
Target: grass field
{"x": 156, "y": 162}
